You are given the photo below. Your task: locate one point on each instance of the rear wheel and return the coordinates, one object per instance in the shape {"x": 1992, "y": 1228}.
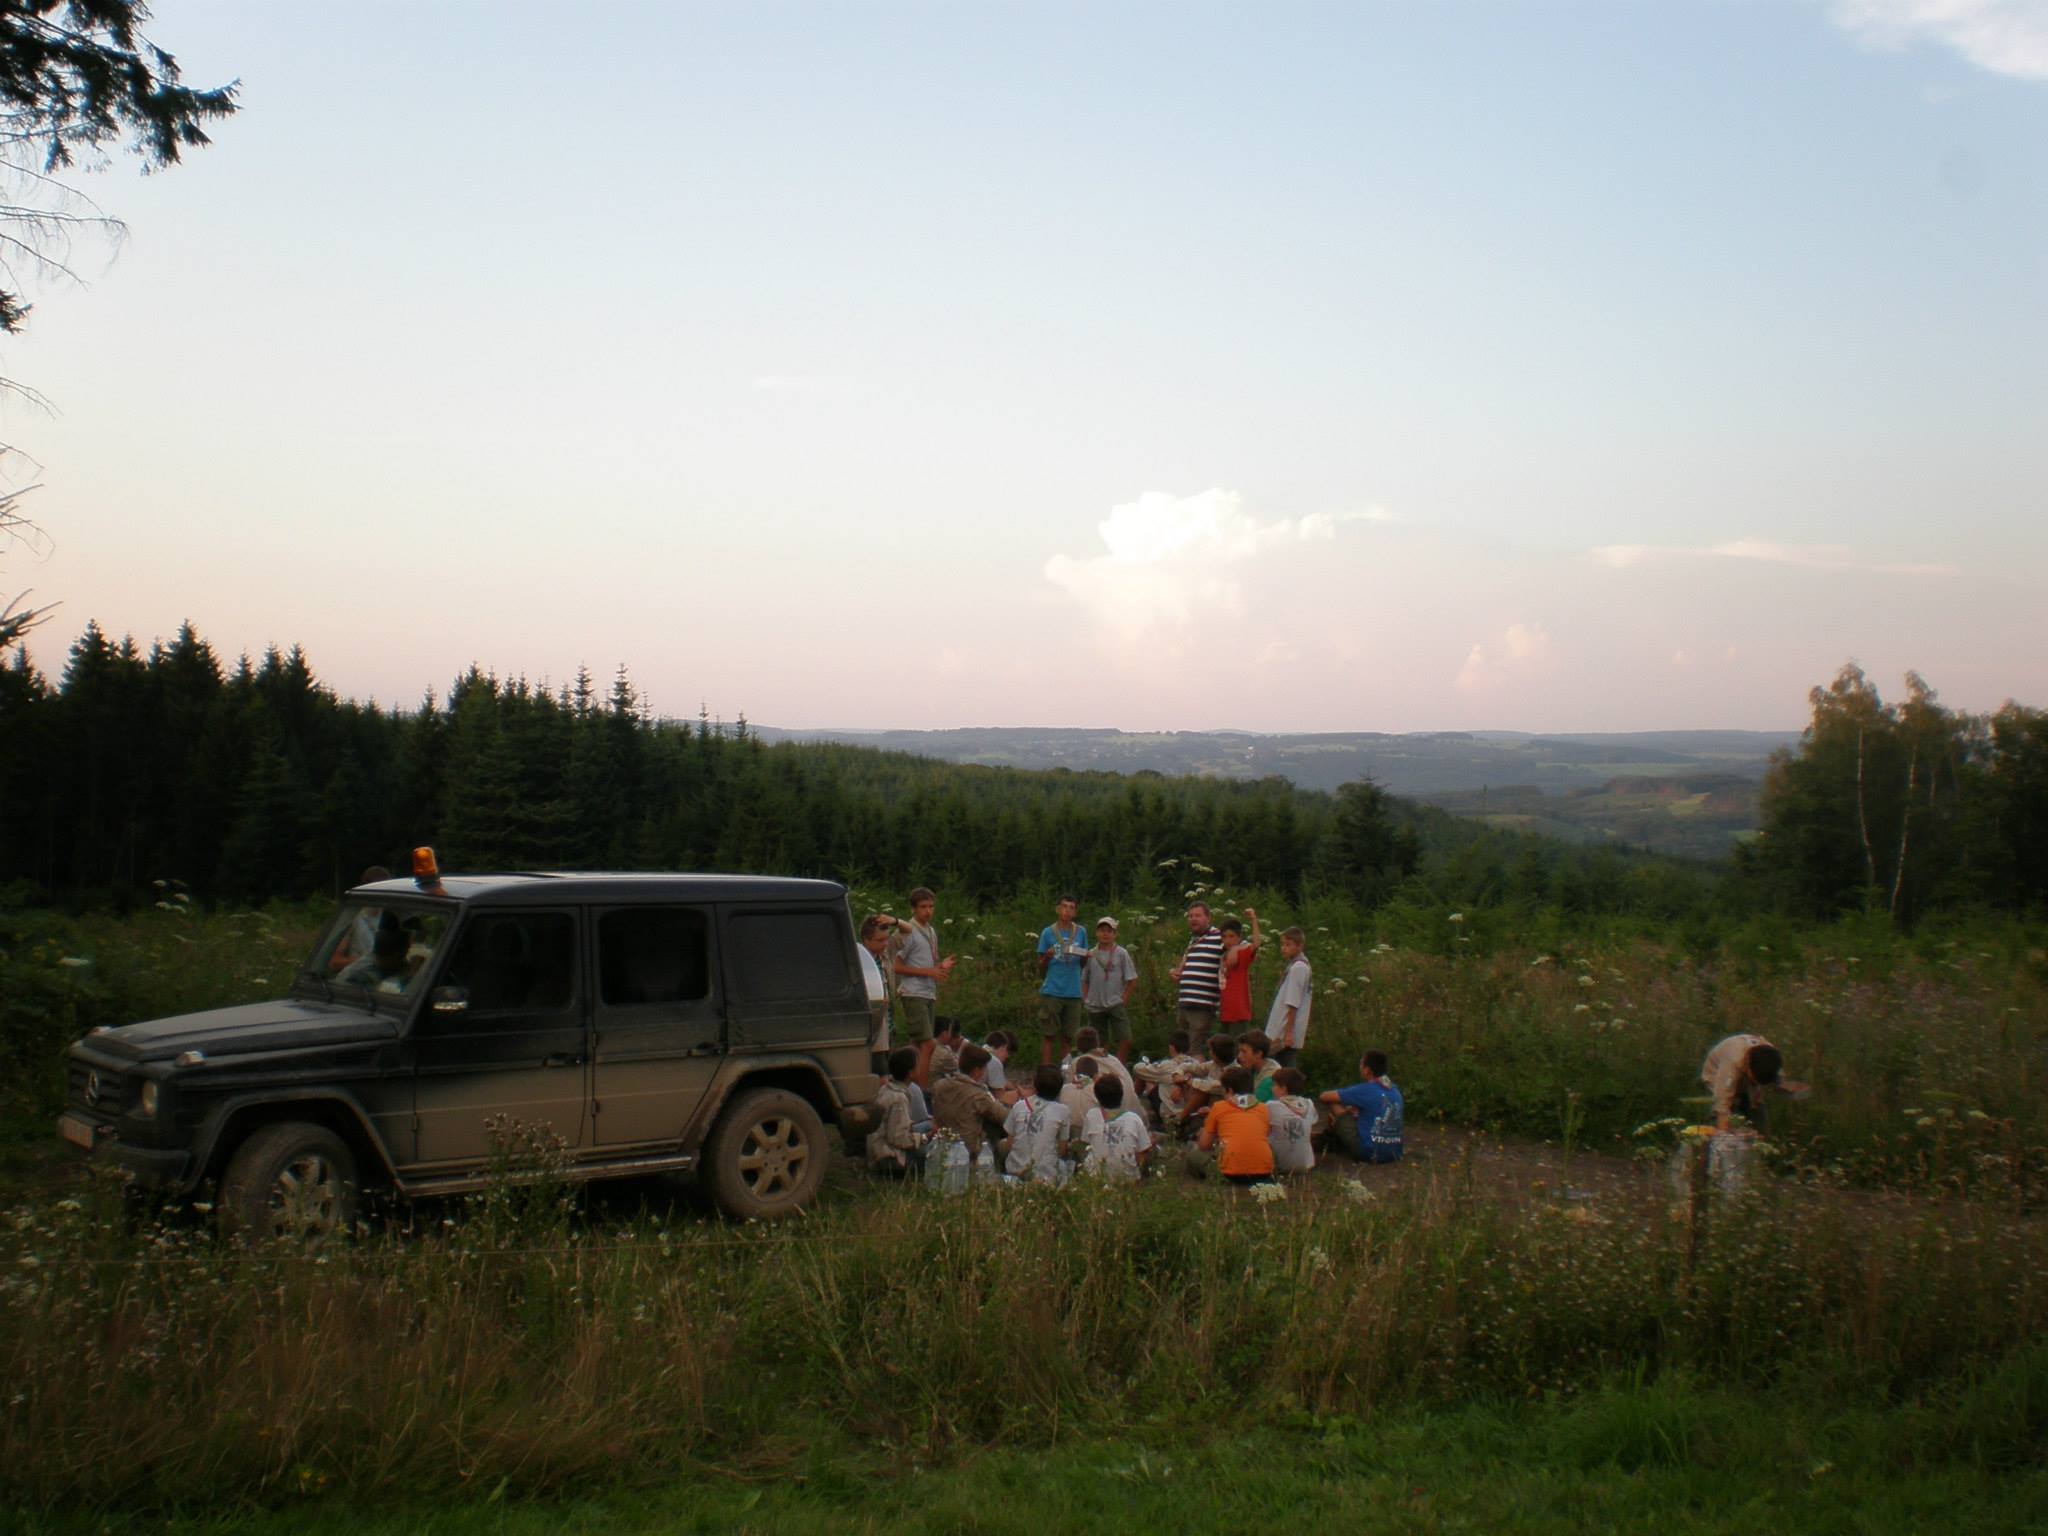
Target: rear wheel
{"x": 767, "y": 1155}
{"x": 290, "y": 1180}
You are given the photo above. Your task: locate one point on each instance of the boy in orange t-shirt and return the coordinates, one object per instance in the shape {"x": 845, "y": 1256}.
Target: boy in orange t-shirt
{"x": 1240, "y": 1122}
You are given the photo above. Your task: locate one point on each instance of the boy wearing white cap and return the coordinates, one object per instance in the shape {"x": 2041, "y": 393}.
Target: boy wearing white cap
{"x": 1107, "y": 980}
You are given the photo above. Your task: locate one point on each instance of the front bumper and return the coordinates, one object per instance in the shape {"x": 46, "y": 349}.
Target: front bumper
{"x": 151, "y": 1167}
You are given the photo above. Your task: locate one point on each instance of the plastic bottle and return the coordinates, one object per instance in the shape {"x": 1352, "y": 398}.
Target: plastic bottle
{"x": 953, "y": 1168}
{"x": 985, "y": 1167}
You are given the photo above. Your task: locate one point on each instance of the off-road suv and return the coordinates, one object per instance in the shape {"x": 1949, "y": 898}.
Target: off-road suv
{"x": 700, "y": 1024}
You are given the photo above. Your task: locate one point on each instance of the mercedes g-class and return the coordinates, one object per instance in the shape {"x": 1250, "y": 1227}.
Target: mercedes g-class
{"x": 699, "y": 1024}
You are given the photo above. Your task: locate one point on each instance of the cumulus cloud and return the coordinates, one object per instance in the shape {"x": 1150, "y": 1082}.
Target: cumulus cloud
{"x": 2007, "y": 37}
{"x": 1169, "y": 560}
{"x": 1815, "y": 557}
{"x": 1522, "y": 649}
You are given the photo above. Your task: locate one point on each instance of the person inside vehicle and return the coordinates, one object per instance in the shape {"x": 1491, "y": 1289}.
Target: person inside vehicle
{"x": 388, "y": 966}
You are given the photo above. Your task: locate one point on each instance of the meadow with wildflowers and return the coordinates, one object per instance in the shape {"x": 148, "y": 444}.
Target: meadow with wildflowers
{"x": 861, "y": 1368}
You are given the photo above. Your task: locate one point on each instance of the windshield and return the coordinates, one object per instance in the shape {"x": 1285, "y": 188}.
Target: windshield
{"x": 380, "y": 950}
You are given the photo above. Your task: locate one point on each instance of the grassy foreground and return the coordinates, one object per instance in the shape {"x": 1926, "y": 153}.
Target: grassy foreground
{"x": 1666, "y": 1456}
{"x": 529, "y": 1359}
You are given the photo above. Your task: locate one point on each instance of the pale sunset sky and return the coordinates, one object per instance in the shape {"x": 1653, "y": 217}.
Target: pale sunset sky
{"x": 1549, "y": 365}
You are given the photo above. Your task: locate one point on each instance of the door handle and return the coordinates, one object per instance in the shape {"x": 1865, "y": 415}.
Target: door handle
{"x": 563, "y": 1061}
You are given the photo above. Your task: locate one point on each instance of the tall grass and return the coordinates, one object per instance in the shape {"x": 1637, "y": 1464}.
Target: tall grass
{"x": 1927, "y": 1053}
{"x": 166, "y": 1367}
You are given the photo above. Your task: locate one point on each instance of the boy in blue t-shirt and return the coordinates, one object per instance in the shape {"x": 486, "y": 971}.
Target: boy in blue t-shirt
{"x": 1368, "y": 1113}
{"x": 1062, "y": 950}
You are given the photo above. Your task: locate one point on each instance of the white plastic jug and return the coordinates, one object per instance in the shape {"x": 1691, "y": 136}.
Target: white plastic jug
{"x": 953, "y": 1169}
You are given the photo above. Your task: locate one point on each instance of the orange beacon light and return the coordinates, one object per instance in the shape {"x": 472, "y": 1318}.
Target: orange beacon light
{"x": 426, "y": 870}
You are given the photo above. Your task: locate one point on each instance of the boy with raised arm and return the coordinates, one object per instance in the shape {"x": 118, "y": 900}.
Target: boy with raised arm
{"x": 1234, "y": 1013}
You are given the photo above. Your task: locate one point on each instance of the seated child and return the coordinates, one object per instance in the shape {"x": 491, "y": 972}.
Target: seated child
{"x": 1239, "y": 1123}
{"x": 999, "y": 1044}
{"x": 1088, "y": 1046}
{"x": 1255, "y": 1051}
{"x": 1160, "y": 1080}
{"x": 1293, "y": 1117}
{"x": 1204, "y": 1085}
{"x": 946, "y": 1042}
{"x": 1038, "y": 1125}
{"x": 896, "y": 1146}
{"x": 1117, "y": 1138}
{"x": 1078, "y": 1094}
{"x": 1369, "y": 1113}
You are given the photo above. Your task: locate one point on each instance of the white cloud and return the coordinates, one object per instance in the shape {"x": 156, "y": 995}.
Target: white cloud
{"x": 1171, "y": 561}
{"x": 2007, "y": 37}
{"x": 1816, "y": 557}
{"x": 1522, "y": 649}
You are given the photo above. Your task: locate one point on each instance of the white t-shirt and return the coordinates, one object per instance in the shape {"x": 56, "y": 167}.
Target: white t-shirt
{"x": 878, "y": 998}
{"x": 1079, "y": 1098}
{"x": 1107, "y": 1065}
{"x": 1290, "y": 1119}
{"x": 1036, "y": 1127}
{"x": 1114, "y": 1144}
{"x": 1297, "y": 991}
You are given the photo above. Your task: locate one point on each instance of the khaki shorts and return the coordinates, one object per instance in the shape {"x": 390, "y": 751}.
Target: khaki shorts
{"x": 1112, "y": 1023}
{"x": 917, "y": 1018}
{"x": 1200, "y": 1023}
{"x": 1058, "y": 1015}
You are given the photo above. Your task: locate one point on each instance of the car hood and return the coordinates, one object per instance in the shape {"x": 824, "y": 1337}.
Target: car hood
{"x": 277, "y": 1026}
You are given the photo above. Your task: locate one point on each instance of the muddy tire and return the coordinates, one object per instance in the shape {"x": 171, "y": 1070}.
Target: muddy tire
{"x": 767, "y": 1157}
{"x": 292, "y": 1180}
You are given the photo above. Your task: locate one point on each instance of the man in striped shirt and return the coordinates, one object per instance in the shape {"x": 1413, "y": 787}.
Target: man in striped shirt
{"x": 1200, "y": 974}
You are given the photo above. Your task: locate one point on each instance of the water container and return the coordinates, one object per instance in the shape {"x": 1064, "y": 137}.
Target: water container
{"x": 1731, "y": 1163}
{"x": 953, "y": 1168}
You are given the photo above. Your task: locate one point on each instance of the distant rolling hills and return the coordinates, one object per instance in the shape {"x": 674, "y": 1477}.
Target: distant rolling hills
{"x": 1691, "y": 793}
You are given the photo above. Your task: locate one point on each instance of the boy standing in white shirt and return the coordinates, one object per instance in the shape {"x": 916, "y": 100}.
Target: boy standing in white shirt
{"x": 1107, "y": 980}
{"x": 1287, "y": 1024}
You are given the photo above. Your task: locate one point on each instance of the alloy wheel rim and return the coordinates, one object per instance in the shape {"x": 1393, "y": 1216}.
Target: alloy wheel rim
{"x": 305, "y": 1198}
{"x": 773, "y": 1155}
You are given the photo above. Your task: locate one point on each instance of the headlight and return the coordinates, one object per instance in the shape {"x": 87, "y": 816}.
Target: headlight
{"x": 146, "y": 1103}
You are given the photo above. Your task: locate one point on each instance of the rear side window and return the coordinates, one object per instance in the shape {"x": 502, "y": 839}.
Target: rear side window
{"x": 515, "y": 962}
{"x": 786, "y": 956}
{"x": 653, "y": 955}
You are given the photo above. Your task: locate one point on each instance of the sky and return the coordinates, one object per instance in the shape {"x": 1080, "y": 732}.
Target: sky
{"x": 1550, "y": 365}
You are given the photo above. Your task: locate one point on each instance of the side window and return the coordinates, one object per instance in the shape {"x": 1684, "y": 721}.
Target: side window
{"x": 784, "y": 956}
{"x": 515, "y": 962}
{"x": 653, "y": 955}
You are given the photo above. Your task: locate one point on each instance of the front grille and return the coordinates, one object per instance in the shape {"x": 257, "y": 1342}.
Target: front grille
{"x": 99, "y": 1089}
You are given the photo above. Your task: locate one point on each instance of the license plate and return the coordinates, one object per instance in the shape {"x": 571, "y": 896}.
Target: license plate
{"x": 78, "y": 1132}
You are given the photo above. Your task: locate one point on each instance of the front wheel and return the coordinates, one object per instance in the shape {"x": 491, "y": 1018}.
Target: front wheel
{"x": 290, "y": 1180}
{"x": 768, "y": 1154}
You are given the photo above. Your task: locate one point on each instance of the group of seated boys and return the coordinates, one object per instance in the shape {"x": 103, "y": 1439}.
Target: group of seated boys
{"x": 1238, "y": 1111}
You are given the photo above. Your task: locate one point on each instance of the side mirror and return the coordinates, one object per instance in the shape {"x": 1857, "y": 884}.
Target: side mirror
{"x": 451, "y": 1000}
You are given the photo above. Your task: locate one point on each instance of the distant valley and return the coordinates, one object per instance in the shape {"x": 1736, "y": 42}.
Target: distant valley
{"x": 1691, "y": 793}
